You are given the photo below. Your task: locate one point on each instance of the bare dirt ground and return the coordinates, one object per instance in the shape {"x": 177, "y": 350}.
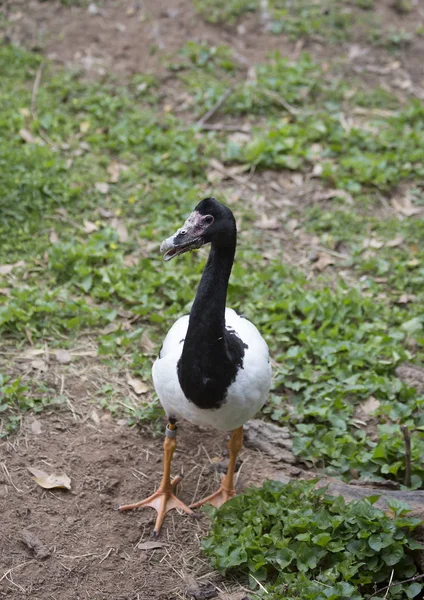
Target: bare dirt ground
{"x": 79, "y": 545}
{"x": 91, "y": 551}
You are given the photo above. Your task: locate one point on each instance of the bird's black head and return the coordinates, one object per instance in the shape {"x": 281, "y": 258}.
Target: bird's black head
{"x": 210, "y": 222}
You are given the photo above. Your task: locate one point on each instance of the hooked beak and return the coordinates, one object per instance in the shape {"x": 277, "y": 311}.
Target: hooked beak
{"x": 189, "y": 237}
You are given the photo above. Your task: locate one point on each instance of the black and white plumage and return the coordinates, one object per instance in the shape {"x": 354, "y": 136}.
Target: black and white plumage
{"x": 214, "y": 366}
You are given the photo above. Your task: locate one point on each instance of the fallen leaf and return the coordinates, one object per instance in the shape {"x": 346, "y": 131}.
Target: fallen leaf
{"x": 265, "y": 222}
{"x": 27, "y": 136}
{"x": 324, "y": 260}
{"x": 137, "y": 385}
{"x": 36, "y": 427}
{"x": 131, "y": 260}
{"x": 53, "y": 237}
{"x": 146, "y": 343}
{"x": 397, "y": 241}
{"x": 151, "y": 545}
{"x": 297, "y": 179}
{"x": 84, "y": 126}
{"x": 49, "y": 482}
{"x": 406, "y": 298}
{"x": 95, "y": 417}
{"x": 120, "y": 229}
{"x": 6, "y": 269}
{"x": 369, "y": 405}
{"x": 105, "y": 213}
{"x": 39, "y": 365}
{"x": 102, "y": 187}
{"x": 372, "y": 243}
{"x": 35, "y": 544}
{"x": 90, "y": 227}
{"x": 114, "y": 170}
{"x": 405, "y": 207}
{"x": 63, "y": 357}
{"x": 214, "y": 176}
{"x": 317, "y": 170}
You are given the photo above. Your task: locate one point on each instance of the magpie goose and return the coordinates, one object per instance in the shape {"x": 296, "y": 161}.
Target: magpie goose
{"x": 213, "y": 368}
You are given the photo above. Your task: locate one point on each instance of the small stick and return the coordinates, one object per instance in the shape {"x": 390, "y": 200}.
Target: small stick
{"x": 222, "y": 127}
{"x": 35, "y": 87}
{"x": 415, "y": 578}
{"x": 214, "y": 108}
{"x": 390, "y": 584}
{"x": 289, "y": 108}
{"x": 407, "y": 438}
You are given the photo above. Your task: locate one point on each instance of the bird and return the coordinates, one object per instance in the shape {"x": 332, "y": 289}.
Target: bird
{"x": 213, "y": 368}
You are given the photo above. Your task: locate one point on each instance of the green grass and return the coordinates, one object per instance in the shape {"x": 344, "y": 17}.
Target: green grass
{"x": 86, "y": 257}
{"x": 332, "y": 21}
{"x": 335, "y": 345}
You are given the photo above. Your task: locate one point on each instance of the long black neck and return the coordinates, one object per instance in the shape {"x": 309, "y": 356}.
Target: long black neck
{"x": 207, "y": 316}
{"x": 211, "y": 355}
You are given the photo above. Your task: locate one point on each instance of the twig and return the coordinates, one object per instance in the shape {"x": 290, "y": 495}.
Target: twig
{"x": 407, "y": 438}
{"x": 6, "y": 573}
{"x": 289, "y": 108}
{"x": 106, "y": 555}
{"x": 35, "y": 87}
{"x": 6, "y": 472}
{"x": 214, "y": 108}
{"x": 222, "y": 127}
{"x": 390, "y": 584}
{"x": 415, "y": 578}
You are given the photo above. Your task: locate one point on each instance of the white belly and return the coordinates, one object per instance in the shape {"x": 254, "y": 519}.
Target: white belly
{"x": 245, "y": 396}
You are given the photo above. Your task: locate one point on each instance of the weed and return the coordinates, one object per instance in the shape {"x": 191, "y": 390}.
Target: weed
{"x": 298, "y": 542}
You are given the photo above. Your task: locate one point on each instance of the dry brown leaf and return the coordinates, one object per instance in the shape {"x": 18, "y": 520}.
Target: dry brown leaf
{"x": 84, "y": 126}
{"x": 317, "y": 170}
{"x": 324, "y": 260}
{"x": 51, "y": 481}
{"x": 120, "y": 229}
{"x": 406, "y": 298}
{"x": 137, "y": 385}
{"x": 397, "y": 241}
{"x": 29, "y": 335}
{"x": 63, "y": 357}
{"x": 105, "y": 213}
{"x": 36, "y": 427}
{"x": 131, "y": 260}
{"x": 95, "y": 417}
{"x": 102, "y": 187}
{"x": 151, "y": 545}
{"x": 265, "y": 222}
{"x": 369, "y": 405}
{"x": 39, "y": 365}
{"x": 27, "y": 136}
{"x": 372, "y": 243}
{"x": 6, "y": 269}
{"x": 90, "y": 227}
{"x": 214, "y": 176}
{"x": 405, "y": 207}
{"x": 114, "y": 170}
{"x": 297, "y": 179}
{"x": 53, "y": 237}
{"x": 146, "y": 343}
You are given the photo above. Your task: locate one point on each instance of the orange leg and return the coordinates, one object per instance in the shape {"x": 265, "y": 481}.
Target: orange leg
{"x": 226, "y": 489}
{"x": 164, "y": 499}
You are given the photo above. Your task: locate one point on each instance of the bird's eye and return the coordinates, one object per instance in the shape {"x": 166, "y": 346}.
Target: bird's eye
{"x": 208, "y": 219}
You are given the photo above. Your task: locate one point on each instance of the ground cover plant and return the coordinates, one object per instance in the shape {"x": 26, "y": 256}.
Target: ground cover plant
{"x": 304, "y": 543}
{"x": 94, "y": 174}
